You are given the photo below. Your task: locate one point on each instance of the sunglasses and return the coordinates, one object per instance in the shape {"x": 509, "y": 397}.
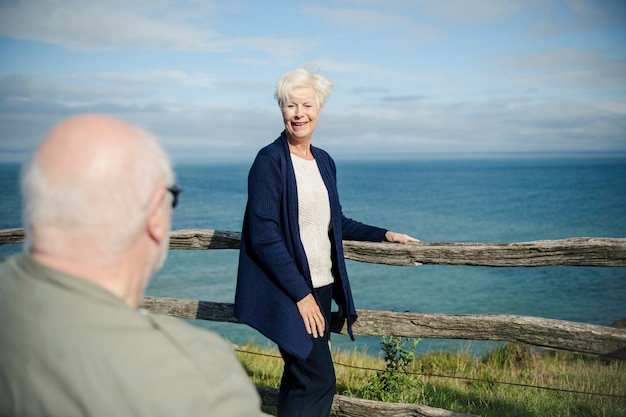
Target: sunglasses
{"x": 175, "y": 193}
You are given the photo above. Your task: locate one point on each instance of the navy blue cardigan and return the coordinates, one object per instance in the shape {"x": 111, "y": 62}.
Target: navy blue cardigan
{"x": 273, "y": 270}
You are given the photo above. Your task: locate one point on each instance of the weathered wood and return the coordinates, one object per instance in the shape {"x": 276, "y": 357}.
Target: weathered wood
{"x": 620, "y": 324}
{"x": 546, "y": 333}
{"x": 580, "y": 251}
{"x": 190, "y": 309}
{"x": 15, "y": 235}
{"x": 204, "y": 239}
{"x": 541, "y": 332}
{"x": 179, "y": 239}
{"x": 357, "y": 407}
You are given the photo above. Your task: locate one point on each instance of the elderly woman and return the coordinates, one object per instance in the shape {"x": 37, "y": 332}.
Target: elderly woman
{"x": 291, "y": 263}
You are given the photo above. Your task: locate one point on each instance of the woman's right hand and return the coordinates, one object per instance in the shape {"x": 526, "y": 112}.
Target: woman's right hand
{"x": 312, "y": 316}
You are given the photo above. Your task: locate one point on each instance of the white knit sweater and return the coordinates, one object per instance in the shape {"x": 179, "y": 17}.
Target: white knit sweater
{"x": 314, "y": 220}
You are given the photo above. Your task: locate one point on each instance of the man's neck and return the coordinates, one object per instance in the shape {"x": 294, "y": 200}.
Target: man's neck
{"x": 113, "y": 277}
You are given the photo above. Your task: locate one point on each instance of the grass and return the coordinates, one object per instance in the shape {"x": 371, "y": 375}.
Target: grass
{"x": 474, "y": 383}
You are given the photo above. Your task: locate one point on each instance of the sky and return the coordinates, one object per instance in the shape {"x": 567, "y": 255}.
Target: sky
{"x": 413, "y": 77}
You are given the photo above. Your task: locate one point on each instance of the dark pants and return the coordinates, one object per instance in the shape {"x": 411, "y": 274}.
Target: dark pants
{"x": 308, "y": 386}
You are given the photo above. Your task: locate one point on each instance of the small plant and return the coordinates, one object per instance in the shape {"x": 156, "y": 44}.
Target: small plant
{"x": 391, "y": 384}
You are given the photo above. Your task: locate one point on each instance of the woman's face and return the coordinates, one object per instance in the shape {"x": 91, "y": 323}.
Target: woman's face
{"x": 300, "y": 113}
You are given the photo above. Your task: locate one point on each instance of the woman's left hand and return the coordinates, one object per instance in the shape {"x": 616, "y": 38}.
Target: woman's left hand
{"x": 312, "y": 316}
{"x": 399, "y": 237}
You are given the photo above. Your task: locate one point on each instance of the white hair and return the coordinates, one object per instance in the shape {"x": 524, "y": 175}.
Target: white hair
{"x": 303, "y": 78}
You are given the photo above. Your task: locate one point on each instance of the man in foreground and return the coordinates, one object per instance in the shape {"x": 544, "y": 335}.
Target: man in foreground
{"x": 98, "y": 197}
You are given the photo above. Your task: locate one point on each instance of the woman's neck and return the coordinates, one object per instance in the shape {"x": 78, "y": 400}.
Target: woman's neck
{"x": 301, "y": 149}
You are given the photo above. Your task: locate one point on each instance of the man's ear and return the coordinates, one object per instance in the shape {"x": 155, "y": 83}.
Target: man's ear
{"x": 156, "y": 223}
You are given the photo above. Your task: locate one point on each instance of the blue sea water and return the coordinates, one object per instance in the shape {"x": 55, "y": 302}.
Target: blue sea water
{"x": 505, "y": 199}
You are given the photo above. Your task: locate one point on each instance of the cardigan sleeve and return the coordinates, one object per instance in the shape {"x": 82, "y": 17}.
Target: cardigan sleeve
{"x": 268, "y": 226}
{"x": 354, "y": 230}
{"x": 351, "y": 229}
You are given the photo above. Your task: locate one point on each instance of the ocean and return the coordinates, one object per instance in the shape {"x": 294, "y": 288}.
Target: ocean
{"x": 446, "y": 199}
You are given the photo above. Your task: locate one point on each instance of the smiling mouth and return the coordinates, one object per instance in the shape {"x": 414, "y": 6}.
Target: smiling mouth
{"x": 299, "y": 124}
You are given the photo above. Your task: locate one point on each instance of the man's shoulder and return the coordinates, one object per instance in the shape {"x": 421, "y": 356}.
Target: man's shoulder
{"x": 8, "y": 265}
{"x": 181, "y": 327}
{"x": 197, "y": 342}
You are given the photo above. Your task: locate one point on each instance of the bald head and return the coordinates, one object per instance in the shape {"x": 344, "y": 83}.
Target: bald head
{"x": 92, "y": 176}
{"x": 90, "y": 148}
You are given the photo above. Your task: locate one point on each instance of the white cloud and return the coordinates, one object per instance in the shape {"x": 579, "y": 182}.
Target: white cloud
{"x": 474, "y": 12}
{"x": 366, "y": 19}
{"x": 453, "y": 11}
{"x": 575, "y": 16}
{"x": 593, "y": 13}
{"x": 103, "y": 25}
{"x": 513, "y": 124}
{"x": 121, "y": 25}
{"x": 566, "y": 67}
{"x": 160, "y": 77}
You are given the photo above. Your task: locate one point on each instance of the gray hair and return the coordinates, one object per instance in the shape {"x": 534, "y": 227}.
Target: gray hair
{"x": 303, "y": 78}
{"x": 92, "y": 203}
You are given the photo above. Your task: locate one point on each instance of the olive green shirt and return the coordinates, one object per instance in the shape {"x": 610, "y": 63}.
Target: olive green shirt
{"x": 70, "y": 348}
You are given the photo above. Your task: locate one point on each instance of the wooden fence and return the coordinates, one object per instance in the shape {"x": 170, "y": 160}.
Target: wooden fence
{"x": 604, "y": 341}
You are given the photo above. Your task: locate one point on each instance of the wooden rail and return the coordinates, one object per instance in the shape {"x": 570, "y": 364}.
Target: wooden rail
{"x": 358, "y": 407}
{"x": 565, "y": 252}
{"x": 581, "y": 251}
{"x": 591, "y": 339}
